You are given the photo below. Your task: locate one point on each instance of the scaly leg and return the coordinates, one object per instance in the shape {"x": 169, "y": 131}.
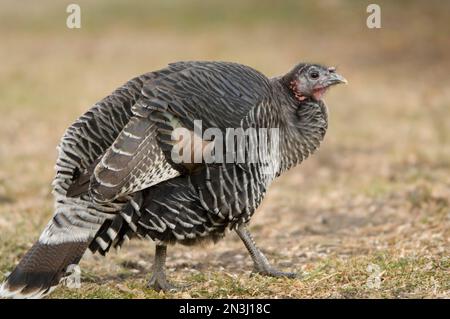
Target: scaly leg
{"x": 158, "y": 281}
{"x": 261, "y": 264}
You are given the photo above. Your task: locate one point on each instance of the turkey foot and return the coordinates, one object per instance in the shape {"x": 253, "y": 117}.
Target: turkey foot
{"x": 273, "y": 272}
{"x": 159, "y": 282}
{"x": 261, "y": 264}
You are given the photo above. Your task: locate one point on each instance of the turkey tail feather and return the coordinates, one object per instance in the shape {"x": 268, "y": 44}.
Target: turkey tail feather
{"x": 41, "y": 269}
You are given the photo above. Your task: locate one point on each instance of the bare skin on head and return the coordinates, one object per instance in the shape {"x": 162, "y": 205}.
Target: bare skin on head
{"x": 313, "y": 81}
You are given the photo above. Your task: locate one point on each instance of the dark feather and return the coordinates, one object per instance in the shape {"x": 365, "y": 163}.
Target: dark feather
{"x": 81, "y": 181}
{"x": 42, "y": 267}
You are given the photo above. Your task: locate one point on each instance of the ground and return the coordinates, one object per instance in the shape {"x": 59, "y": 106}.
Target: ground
{"x": 367, "y": 216}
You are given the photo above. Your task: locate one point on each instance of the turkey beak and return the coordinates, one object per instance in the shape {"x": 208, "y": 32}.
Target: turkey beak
{"x": 335, "y": 78}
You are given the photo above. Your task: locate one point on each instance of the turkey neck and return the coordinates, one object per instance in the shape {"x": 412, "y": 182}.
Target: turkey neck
{"x": 302, "y": 125}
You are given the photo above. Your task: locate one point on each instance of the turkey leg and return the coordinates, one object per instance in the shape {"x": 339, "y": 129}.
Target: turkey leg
{"x": 158, "y": 281}
{"x": 261, "y": 264}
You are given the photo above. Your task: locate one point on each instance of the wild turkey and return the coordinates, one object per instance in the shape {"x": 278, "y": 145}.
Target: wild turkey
{"x": 116, "y": 177}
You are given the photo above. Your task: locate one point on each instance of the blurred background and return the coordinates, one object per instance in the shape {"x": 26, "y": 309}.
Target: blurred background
{"x": 376, "y": 193}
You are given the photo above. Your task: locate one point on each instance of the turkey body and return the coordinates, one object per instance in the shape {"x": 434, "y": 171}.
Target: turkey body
{"x": 116, "y": 178}
{"x": 187, "y": 209}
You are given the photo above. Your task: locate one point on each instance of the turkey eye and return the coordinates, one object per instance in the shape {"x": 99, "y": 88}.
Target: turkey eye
{"x": 314, "y": 75}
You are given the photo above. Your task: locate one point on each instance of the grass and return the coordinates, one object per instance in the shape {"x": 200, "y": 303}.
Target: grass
{"x": 376, "y": 194}
{"x": 405, "y": 277}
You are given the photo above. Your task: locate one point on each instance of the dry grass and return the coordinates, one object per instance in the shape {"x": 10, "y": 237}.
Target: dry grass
{"x": 377, "y": 192}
